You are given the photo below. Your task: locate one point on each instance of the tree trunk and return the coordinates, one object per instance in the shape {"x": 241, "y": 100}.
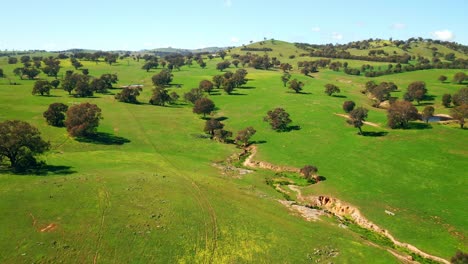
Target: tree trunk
{"x": 360, "y": 130}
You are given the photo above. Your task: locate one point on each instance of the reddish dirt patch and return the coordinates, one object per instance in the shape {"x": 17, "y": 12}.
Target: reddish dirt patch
{"x": 49, "y": 228}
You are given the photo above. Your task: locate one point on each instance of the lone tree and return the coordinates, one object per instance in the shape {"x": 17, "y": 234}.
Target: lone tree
{"x": 244, "y": 135}
{"x": 331, "y": 89}
{"x": 400, "y": 113}
{"x": 460, "y": 97}
{"x": 160, "y": 96}
{"x": 459, "y": 77}
{"x": 41, "y": 87}
{"x": 348, "y": 106}
{"x": 20, "y": 142}
{"x": 211, "y": 125}
{"x": 163, "y": 78}
{"x": 206, "y": 86}
{"x": 442, "y": 78}
{"x": 357, "y": 118}
{"x": 83, "y": 119}
{"x": 278, "y": 119}
{"x": 446, "y": 100}
{"x": 129, "y": 94}
{"x": 427, "y": 113}
{"x": 285, "y": 78}
{"x": 55, "y": 114}
{"x": 203, "y": 106}
{"x": 295, "y": 85}
{"x": 416, "y": 91}
{"x": 459, "y": 113}
{"x": 309, "y": 172}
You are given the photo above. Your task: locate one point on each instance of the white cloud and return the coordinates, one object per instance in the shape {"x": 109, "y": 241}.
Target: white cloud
{"x": 234, "y": 40}
{"x": 398, "y": 26}
{"x": 316, "y": 29}
{"x": 227, "y": 3}
{"x": 445, "y": 35}
{"x": 337, "y": 36}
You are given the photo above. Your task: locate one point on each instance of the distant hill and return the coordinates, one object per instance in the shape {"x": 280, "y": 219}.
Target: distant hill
{"x": 167, "y": 51}
{"x": 374, "y": 49}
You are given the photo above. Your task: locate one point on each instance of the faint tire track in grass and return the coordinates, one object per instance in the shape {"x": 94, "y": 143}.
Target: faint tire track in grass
{"x": 202, "y": 201}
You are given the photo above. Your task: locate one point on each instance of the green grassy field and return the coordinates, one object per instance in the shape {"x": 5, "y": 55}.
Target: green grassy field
{"x": 157, "y": 198}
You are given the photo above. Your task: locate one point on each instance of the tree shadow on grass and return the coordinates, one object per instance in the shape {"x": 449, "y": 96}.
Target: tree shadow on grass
{"x": 374, "y": 134}
{"x": 246, "y": 87}
{"x": 258, "y": 142}
{"x": 300, "y": 92}
{"x": 103, "y": 139}
{"x": 339, "y": 96}
{"x": 417, "y": 125}
{"x": 53, "y": 170}
{"x": 237, "y": 94}
{"x": 429, "y": 97}
{"x": 322, "y": 178}
{"x": 290, "y": 128}
{"x": 41, "y": 170}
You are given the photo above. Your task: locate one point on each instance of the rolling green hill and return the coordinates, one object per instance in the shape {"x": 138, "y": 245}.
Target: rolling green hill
{"x": 148, "y": 192}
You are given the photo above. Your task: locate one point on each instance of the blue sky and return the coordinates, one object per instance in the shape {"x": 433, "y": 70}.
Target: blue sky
{"x": 146, "y": 24}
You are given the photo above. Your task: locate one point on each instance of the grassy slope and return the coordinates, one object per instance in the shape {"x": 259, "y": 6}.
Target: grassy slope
{"x": 154, "y": 199}
{"x": 127, "y": 182}
{"x": 403, "y": 169}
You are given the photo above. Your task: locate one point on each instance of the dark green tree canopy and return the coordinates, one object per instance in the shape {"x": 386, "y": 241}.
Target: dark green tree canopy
{"x": 206, "y": 86}
{"x": 163, "y": 78}
{"x": 55, "y": 114}
{"x": 400, "y": 113}
{"x": 20, "y": 142}
{"x": 460, "y": 77}
{"x": 203, "y": 106}
{"x": 160, "y": 96}
{"x": 223, "y": 65}
{"x": 244, "y": 135}
{"x": 427, "y": 113}
{"x": 211, "y": 125}
{"x": 278, "y": 119}
{"x": 285, "y": 78}
{"x": 41, "y": 87}
{"x": 357, "y": 118}
{"x": 416, "y": 91}
{"x": 460, "y": 97}
{"x": 459, "y": 113}
{"x": 193, "y": 95}
{"x": 296, "y": 85}
{"x": 446, "y": 100}
{"x": 348, "y": 106}
{"x": 309, "y": 171}
{"x": 331, "y": 89}
{"x": 129, "y": 94}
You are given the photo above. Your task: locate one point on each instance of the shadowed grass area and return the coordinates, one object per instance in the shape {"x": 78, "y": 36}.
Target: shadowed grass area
{"x": 104, "y": 139}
